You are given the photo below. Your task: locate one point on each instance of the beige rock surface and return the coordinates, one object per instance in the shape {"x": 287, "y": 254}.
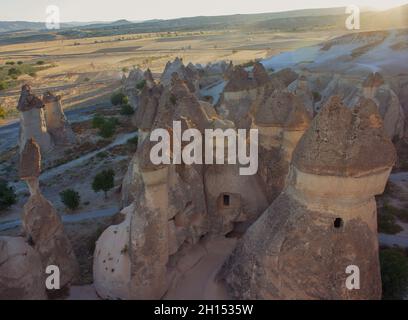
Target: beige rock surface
{"x": 22, "y": 276}
{"x": 324, "y": 220}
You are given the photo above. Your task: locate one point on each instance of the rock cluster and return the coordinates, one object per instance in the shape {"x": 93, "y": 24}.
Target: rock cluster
{"x": 170, "y": 207}
{"x": 43, "y": 120}
{"x": 325, "y": 219}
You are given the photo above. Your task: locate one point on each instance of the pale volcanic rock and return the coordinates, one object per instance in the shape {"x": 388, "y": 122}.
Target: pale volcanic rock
{"x": 135, "y": 77}
{"x": 57, "y": 124}
{"x": 30, "y": 160}
{"x": 325, "y": 219}
{"x": 237, "y": 97}
{"x": 32, "y": 120}
{"x": 286, "y": 76}
{"x": 239, "y": 80}
{"x": 260, "y": 75}
{"x": 388, "y": 104}
{"x": 148, "y": 77}
{"x": 168, "y": 204}
{"x": 281, "y": 119}
{"x": 41, "y": 223}
{"x": 43, "y": 226}
{"x": 148, "y": 104}
{"x": 22, "y": 275}
{"x": 300, "y": 87}
{"x": 188, "y": 74}
{"x": 345, "y": 147}
{"x": 111, "y": 264}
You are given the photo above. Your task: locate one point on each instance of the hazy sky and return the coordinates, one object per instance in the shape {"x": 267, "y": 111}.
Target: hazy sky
{"x": 109, "y": 10}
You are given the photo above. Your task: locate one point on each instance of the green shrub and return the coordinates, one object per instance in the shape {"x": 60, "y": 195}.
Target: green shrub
{"x": 10, "y": 63}
{"x": 97, "y": 121}
{"x": 108, "y": 128}
{"x": 387, "y": 224}
{"x": 401, "y": 214}
{"x": 173, "y": 99}
{"x": 133, "y": 140}
{"x": 141, "y": 85}
{"x": 19, "y": 63}
{"x": 394, "y": 273}
{"x": 118, "y": 98}
{"x": 3, "y": 85}
{"x": 14, "y": 72}
{"x": 7, "y": 195}
{"x": 70, "y": 198}
{"x": 316, "y": 96}
{"x": 40, "y": 62}
{"x": 102, "y": 155}
{"x": 126, "y": 110}
{"x": 125, "y": 69}
{"x": 104, "y": 181}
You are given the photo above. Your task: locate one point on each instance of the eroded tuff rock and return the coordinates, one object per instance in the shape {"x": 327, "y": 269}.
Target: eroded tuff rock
{"x": 130, "y": 86}
{"x": 57, "y": 124}
{"x": 389, "y": 106}
{"x": 188, "y": 74}
{"x": 22, "y": 276}
{"x": 240, "y": 92}
{"x": 281, "y": 119}
{"x": 300, "y": 88}
{"x": 168, "y": 210}
{"x": 32, "y": 120}
{"x": 325, "y": 219}
{"x": 41, "y": 223}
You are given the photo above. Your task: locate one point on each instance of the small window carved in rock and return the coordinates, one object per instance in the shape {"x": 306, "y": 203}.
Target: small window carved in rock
{"x": 226, "y": 200}
{"x": 338, "y": 223}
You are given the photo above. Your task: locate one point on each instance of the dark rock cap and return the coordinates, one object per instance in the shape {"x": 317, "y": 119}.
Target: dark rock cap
{"x": 28, "y": 100}
{"x": 239, "y": 80}
{"x": 260, "y": 75}
{"x": 280, "y": 108}
{"x": 48, "y": 97}
{"x": 345, "y": 142}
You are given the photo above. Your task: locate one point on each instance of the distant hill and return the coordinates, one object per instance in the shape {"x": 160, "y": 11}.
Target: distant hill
{"x": 296, "y": 20}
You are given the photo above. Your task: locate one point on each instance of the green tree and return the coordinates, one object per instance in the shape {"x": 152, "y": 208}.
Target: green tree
{"x": 118, "y": 98}
{"x": 141, "y": 85}
{"x": 108, "y": 128}
{"x": 7, "y": 195}
{"x": 70, "y": 198}
{"x": 126, "y": 110}
{"x": 394, "y": 273}
{"x": 98, "y": 121}
{"x": 104, "y": 181}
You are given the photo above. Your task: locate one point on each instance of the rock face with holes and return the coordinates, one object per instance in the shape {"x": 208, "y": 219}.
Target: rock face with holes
{"x": 325, "y": 219}
{"x": 171, "y": 206}
{"x": 57, "y": 124}
{"x": 32, "y": 120}
{"x": 22, "y": 276}
{"x": 42, "y": 225}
